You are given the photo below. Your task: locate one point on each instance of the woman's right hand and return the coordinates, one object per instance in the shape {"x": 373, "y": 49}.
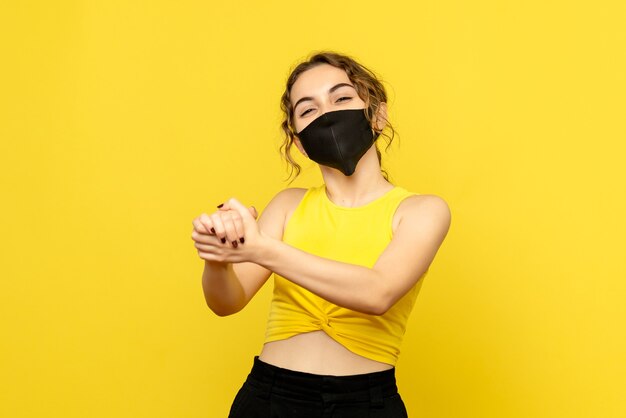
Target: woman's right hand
{"x": 218, "y": 227}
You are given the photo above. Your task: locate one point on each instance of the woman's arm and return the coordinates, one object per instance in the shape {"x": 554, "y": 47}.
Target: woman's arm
{"x": 223, "y": 291}
{"x": 424, "y": 224}
{"x": 228, "y": 286}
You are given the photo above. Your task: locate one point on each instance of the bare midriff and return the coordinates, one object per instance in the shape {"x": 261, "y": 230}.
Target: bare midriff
{"x": 316, "y": 352}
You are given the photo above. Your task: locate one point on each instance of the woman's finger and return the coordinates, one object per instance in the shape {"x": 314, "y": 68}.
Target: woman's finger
{"x": 205, "y": 247}
{"x": 211, "y": 255}
{"x": 203, "y": 238}
{"x": 226, "y": 206}
{"x": 206, "y": 221}
{"x": 234, "y": 227}
{"x": 240, "y": 229}
{"x": 218, "y": 226}
{"x": 243, "y": 211}
{"x": 199, "y": 226}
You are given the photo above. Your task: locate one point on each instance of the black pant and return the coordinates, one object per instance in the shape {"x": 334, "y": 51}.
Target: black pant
{"x": 274, "y": 392}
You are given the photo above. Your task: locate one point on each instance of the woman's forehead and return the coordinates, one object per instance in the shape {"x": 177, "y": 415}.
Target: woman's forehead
{"x": 318, "y": 80}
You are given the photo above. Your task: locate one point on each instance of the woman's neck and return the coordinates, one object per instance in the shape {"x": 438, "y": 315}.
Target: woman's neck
{"x": 364, "y": 185}
{"x": 352, "y": 191}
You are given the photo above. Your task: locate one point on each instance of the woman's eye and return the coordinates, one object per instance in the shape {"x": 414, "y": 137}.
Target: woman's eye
{"x": 341, "y": 99}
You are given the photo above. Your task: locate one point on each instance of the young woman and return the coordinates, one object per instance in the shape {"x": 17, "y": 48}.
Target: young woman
{"x": 347, "y": 256}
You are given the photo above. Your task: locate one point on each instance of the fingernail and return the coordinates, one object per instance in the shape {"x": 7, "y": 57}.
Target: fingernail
{"x": 235, "y": 244}
{"x": 213, "y": 230}
{"x": 220, "y": 205}
{"x": 241, "y": 240}
{"x": 223, "y": 240}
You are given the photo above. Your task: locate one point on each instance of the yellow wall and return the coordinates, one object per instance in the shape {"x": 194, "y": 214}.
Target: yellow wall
{"x": 123, "y": 120}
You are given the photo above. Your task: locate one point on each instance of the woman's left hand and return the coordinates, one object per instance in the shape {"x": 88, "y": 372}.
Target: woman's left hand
{"x": 237, "y": 227}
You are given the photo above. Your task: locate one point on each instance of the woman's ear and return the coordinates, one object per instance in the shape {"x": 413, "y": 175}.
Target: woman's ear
{"x": 381, "y": 116}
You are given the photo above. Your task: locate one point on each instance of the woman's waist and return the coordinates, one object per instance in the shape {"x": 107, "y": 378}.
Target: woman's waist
{"x": 267, "y": 379}
{"x": 316, "y": 352}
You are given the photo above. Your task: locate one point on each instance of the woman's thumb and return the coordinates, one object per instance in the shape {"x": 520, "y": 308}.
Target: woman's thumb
{"x": 241, "y": 209}
{"x": 253, "y": 211}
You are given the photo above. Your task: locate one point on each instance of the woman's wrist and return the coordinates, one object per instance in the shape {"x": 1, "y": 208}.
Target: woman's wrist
{"x": 263, "y": 248}
{"x": 214, "y": 265}
{"x": 215, "y": 270}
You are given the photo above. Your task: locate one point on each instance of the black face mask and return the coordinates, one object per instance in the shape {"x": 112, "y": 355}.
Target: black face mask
{"x": 338, "y": 139}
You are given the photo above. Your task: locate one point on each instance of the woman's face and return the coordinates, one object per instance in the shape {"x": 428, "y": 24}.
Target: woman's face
{"x": 322, "y": 89}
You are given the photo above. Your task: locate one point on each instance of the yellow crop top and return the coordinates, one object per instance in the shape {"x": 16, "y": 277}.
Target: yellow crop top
{"x": 356, "y": 235}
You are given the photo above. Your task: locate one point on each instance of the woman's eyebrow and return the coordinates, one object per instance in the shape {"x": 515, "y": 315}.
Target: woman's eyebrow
{"x": 330, "y": 90}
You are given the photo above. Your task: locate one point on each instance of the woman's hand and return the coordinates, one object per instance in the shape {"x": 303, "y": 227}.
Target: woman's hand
{"x": 229, "y": 235}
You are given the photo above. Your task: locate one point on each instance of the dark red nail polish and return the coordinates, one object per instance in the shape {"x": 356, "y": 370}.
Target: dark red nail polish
{"x": 213, "y": 230}
{"x": 241, "y": 240}
{"x": 235, "y": 244}
{"x": 223, "y": 240}
{"x": 220, "y": 205}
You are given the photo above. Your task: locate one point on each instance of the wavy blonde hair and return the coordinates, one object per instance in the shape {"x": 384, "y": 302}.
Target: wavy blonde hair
{"x": 368, "y": 86}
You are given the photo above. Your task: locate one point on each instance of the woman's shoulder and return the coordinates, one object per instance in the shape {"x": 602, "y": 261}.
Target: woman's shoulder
{"x": 285, "y": 200}
{"x": 420, "y": 207}
{"x": 280, "y": 208}
{"x": 414, "y": 197}
{"x": 289, "y": 194}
